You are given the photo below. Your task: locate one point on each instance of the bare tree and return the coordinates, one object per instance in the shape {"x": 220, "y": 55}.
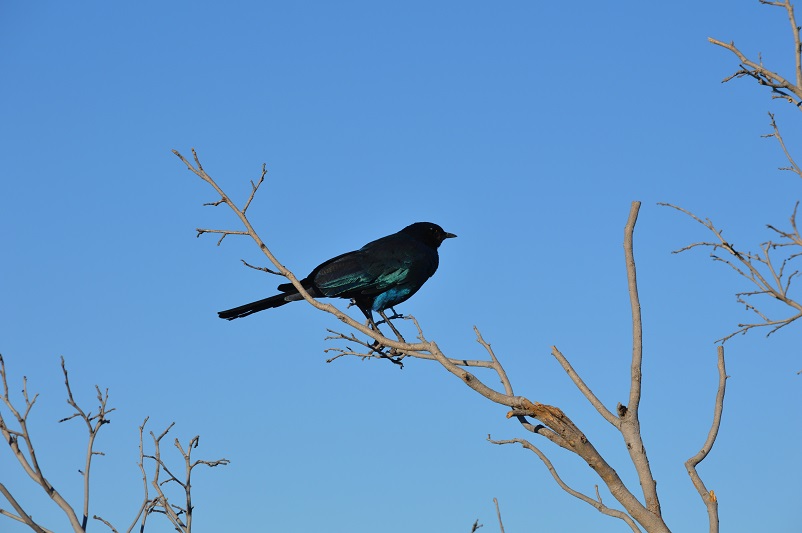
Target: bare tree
{"x": 771, "y": 270}
{"x": 14, "y": 426}
{"x": 547, "y": 421}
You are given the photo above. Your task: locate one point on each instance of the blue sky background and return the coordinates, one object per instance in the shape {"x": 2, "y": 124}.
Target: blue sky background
{"x": 526, "y": 128}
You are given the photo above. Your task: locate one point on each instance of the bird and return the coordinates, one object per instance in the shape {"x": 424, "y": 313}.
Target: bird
{"x": 377, "y": 277}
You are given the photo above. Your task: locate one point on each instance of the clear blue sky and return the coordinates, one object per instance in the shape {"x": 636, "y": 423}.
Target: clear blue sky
{"x": 526, "y": 128}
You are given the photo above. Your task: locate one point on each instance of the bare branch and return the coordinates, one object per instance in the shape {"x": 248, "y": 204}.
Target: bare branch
{"x": 255, "y": 187}
{"x": 498, "y": 514}
{"x": 780, "y": 86}
{"x": 93, "y": 424}
{"x": 30, "y": 464}
{"x": 106, "y": 522}
{"x": 21, "y": 515}
{"x": 629, "y": 420}
{"x": 179, "y": 515}
{"x": 580, "y": 384}
{"x": 637, "y": 328}
{"x": 776, "y": 134}
{"x": 262, "y": 269}
{"x": 495, "y": 365}
{"x": 760, "y": 270}
{"x": 563, "y": 485}
{"x": 224, "y": 233}
{"x": 709, "y": 497}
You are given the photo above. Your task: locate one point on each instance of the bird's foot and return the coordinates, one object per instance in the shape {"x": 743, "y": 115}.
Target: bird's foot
{"x": 396, "y": 314}
{"x": 393, "y": 355}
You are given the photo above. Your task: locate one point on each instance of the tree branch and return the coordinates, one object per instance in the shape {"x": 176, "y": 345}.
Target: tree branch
{"x": 630, "y": 423}
{"x": 21, "y": 515}
{"x": 780, "y": 86}
{"x": 774, "y": 282}
{"x": 179, "y": 515}
{"x": 580, "y": 384}
{"x": 563, "y": 485}
{"x": 709, "y": 497}
{"x": 93, "y": 424}
{"x": 498, "y": 514}
{"x": 776, "y": 134}
{"x": 30, "y": 464}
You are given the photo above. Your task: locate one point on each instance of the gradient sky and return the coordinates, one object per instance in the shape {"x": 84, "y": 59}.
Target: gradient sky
{"x": 526, "y": 128}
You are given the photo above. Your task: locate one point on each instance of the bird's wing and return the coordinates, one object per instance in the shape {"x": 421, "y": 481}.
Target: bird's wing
{"x": 362, "y": 273}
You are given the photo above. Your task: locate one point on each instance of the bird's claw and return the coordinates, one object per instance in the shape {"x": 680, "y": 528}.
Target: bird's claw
{"x": 392, "y": 354}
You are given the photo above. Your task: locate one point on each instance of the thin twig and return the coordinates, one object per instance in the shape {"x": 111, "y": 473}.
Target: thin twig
{"x": 776, "y": 134}
{"x": 263, "y": 269}
{"x": 498, "y": 514}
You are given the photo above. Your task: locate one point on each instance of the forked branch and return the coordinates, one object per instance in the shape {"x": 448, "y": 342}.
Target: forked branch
{"x": 22, "y": 448}
{"x": 768, "y": 275}
{"x": 782, "y": 88}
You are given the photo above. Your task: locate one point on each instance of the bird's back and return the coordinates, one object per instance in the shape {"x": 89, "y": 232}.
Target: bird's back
{"x": 386, "y": 271}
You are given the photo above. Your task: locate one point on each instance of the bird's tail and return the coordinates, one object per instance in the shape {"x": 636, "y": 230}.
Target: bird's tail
{"x": 254, "y": 307}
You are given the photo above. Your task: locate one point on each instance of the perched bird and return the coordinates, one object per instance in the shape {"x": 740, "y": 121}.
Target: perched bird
{"x": 378, "y": 276}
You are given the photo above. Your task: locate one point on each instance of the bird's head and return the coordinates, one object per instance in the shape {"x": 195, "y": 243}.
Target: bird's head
{"x": 429, "y": 233}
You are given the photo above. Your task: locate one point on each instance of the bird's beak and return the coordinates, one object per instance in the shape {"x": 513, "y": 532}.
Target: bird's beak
{"x": 449, "y": 236}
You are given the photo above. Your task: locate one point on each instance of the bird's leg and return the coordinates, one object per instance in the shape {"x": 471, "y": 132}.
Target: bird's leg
{"x": 387, "y": 321}
{"x": 377, "y": 346}
{"x": 396, "y": 314}
{"x": 371, "y": 323}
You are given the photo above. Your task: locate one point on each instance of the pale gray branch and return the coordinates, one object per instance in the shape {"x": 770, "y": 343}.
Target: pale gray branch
{"x": 780, "y": 86}
{"x": 582, "y": 386}
{"x": 563, "y": 485}
{"x": 708, "y": 496}
{"x": 30, "y": 464}
{"x": 21, "y": 515}
{"x": 629, "y": 419}
{"x": 775, "y": 282}
{"x": 498, "y": 514}
{"x": 776, "y": 134}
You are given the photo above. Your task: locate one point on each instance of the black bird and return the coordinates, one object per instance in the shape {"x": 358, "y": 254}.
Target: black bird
{"x": 378, "y": 276}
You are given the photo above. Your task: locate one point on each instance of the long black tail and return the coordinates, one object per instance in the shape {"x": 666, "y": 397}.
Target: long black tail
{"x": 254, "y": 307}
